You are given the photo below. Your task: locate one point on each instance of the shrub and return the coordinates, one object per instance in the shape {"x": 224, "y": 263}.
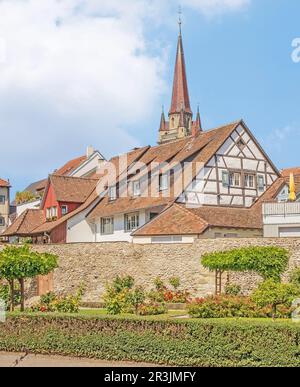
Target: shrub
{"x": 152, "y": 309}
{"x": 233, "y": 290}
{"x": 136, "y": 298}
{"x": 271, "y": 293}
{"x": 162, "y": 294}
{"x": 224, "y": 307}
{"x": 295, "y": 277}
{"x": 174, "y": 282}
{"x": 118, "y": 298}
{"x": 50, "y": 302}
{"x": 200, "y": 343}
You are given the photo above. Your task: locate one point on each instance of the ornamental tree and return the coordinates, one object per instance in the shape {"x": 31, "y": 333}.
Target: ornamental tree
{"x": 275, "y": 294}
{"x": 268, "y": 262}
{"x": 21, "y": 263}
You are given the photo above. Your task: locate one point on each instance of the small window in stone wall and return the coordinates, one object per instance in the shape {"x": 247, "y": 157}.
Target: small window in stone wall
{"x": 2, "y": 221}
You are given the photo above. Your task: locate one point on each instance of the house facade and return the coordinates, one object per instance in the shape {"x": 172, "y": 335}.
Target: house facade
{"x": 83, "y": 166}
{"x": 4, "y": 205}
{"x": 281, "y": 215}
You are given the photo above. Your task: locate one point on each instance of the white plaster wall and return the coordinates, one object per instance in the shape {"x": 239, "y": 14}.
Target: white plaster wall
{"x": 119, "y": 234}
{"x": 79, "y": 230}
{"x": 28, "y": 206}
{"x": 91, "y": 165}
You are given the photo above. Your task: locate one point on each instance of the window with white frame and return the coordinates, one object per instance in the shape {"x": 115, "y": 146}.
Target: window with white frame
{"x": 107, "y": 226}
{"x": 136, "y": 188}
{"x": 2, "y": 221}
{"x": 164, "y": 182}
{"x": 48, "y": 213}
{"x": 234, "y": 179}
{"x": 225, "y": 179}
{"x": 112, "y": 193}
{"x": 64, "y": 210}
{"x": 54, "y": 212}
{"x": 261, "y": 183}
{"x": 2, "y": 199}
{"x": 132, "y": 221}
{"x": 249, "y": 180}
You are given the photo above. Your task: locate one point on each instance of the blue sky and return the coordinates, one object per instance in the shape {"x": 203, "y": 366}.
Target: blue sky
{"x": 97, "y": 72}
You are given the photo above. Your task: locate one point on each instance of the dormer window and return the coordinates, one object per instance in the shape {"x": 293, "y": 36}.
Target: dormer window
{"x": 112, "y": 193}
{"x": 136, "y": 188}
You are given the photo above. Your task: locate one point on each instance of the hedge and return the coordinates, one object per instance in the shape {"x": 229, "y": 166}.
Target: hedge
{"x": 206, "y": 343}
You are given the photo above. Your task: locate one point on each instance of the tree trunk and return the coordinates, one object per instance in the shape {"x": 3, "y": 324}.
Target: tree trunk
{"x": 22, "y": 285}
{"x": 219, "y": 274}
{"x": 12, "y": 295}
{"x": 274, "y": 311}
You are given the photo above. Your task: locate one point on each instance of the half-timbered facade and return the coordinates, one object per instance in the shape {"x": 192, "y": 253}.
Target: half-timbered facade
{"x": 236, "y": 175}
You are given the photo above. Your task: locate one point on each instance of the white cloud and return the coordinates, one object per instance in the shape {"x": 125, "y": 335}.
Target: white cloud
{"x": 76, "y": 71}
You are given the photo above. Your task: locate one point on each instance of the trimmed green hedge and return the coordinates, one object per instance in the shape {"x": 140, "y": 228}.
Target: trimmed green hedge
{"x": 184, "y": 343}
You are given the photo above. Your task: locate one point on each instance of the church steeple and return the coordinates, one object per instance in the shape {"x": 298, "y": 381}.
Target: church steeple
{"x": 180, "y": 96}
{"x": 180, "y": 123}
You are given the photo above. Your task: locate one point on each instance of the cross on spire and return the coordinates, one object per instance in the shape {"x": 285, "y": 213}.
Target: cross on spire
{"x": 179, "y": 18}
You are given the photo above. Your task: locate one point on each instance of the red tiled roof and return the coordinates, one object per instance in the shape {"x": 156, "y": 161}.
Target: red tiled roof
{"x": 181, "y": 220}
{"x": 197, "y": 149}
{"x": 175, "y": 220}
{"x": 25, "y": 223}
{"x": 288, "y": 171}
{"x": 4, "y": 183}
{"x": 70, "y": 166}
{"x": 48, "y": 227}
{"x": 72, "y": 189}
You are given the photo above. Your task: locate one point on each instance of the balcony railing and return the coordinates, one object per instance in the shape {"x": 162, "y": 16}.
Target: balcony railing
{"x": 281, "y": 209}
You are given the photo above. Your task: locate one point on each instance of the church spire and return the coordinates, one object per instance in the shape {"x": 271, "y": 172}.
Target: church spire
{"x": 180, "y": 96}
{"x": 180, "y": 124}
{"x": 162, "y": 121}
{"x": 198, "y": 120}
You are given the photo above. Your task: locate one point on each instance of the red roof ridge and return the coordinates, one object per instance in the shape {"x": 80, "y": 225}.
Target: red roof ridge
{"x": 4, "y": 183}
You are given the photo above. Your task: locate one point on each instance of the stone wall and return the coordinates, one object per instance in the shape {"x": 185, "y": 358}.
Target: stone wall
{"x": 96, "y": 264}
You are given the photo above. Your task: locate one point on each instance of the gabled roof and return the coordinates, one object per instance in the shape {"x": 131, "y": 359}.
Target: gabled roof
{"x": 70, "y": 166}
{"x": 200, "y": 148}
{"x": 37, "y": 186}
{"x": 288, "y": 171}
{"x": 25, "y": 223}
{"x": 48, "y": 227}
{"x": 4, "y": 183}
{"x": 71, "y": 189}
{"x": 65, "y": 170}
{"x": 181, "y": 220}
{"x": 175, "y": 220}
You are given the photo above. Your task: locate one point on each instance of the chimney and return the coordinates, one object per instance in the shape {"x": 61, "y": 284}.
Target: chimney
{"x": 89, "y": 151}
